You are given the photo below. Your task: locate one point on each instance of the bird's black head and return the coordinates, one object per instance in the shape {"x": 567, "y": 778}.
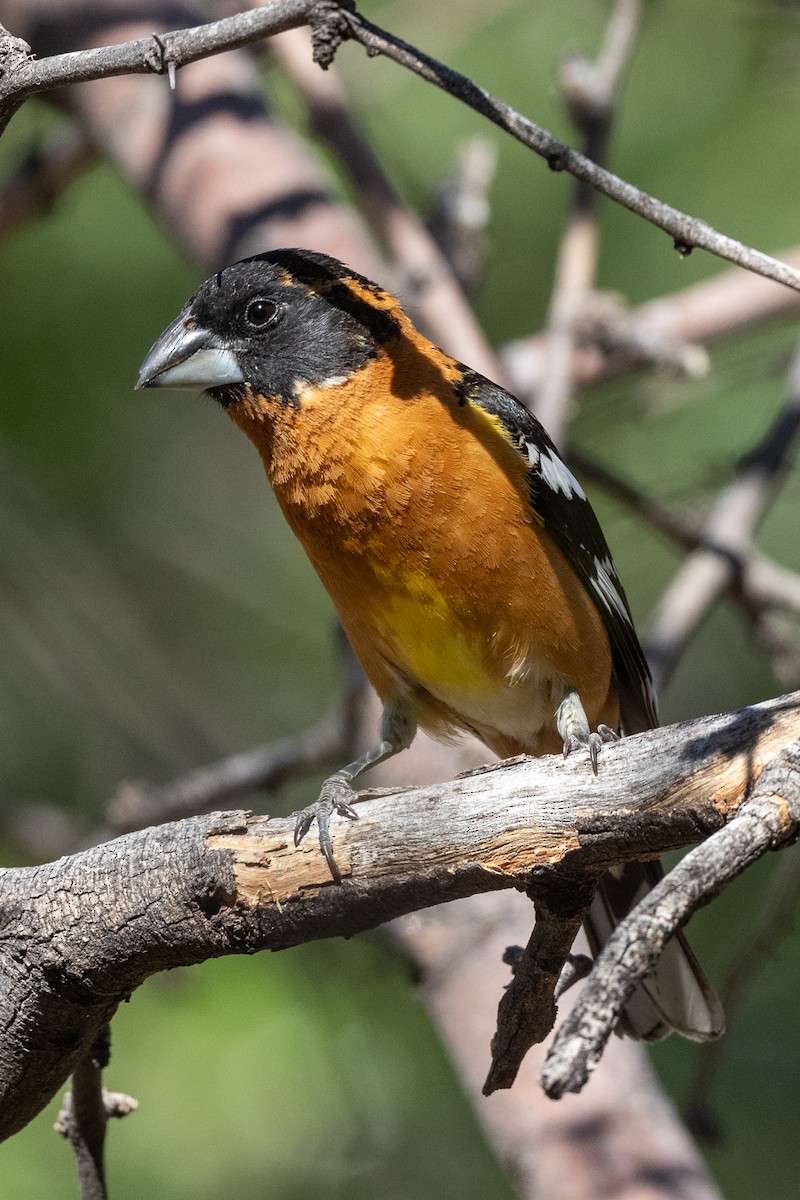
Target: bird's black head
{"x": 276, "y": 323}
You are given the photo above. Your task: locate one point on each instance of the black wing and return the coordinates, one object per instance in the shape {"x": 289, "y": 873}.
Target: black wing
{"x": 561, "y": 504}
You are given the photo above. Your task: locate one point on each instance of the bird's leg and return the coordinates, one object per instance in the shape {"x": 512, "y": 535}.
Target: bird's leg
{"x": 573, "y": 727}
{"x": 397, "y": 733}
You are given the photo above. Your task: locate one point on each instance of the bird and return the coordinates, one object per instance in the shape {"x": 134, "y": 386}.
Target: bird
{"x": 464, "y": 560}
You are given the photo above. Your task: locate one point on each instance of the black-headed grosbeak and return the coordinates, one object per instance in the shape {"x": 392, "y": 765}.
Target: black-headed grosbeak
{"x": 463, "y": 557}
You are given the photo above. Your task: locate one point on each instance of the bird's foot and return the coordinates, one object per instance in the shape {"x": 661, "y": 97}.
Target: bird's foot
{"x": 336, "y": 794}
{"x": 593, "y": 742}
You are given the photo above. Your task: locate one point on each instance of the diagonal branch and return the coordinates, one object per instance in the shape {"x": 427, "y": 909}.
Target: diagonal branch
{"x": 22, "y": 76}
{"x": 768, "y": 820}
{"x": 687, "y": 232}
{"x": 716, "y": 563}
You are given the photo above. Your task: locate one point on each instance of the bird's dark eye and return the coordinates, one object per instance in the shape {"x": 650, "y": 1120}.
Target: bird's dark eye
{"x": 260, "y": 312}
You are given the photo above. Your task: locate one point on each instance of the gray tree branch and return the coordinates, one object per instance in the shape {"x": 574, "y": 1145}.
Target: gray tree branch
{"x": 79, "y": 935}
{"x": 22, "y": 76}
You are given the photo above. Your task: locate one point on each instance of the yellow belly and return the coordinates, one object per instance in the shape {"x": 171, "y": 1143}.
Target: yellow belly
{"x": 429, "y": 638}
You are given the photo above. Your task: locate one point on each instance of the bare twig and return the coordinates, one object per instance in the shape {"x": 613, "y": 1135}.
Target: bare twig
{"x": 84, "y": 1095}
{"x": 765, "y": 822}
{"x": 687, "y": 232}
{"x": 84, "y": 1116}
{"x": 589, "y": 92}
{"x": 726, "y": 537}
{"x": 426, "y": 280}
{"x": 23, "y": 77}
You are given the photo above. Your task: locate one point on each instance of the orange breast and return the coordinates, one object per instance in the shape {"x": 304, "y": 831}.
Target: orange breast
{"x": 414, "y": 511}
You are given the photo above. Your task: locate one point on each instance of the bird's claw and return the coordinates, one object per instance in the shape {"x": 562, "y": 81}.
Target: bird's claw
{"x": 594, "y": 743}
{"x": 335, "y": 797}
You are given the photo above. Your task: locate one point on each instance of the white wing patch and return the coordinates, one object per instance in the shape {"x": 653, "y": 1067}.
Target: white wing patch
{"x": 555, "y": 474}
{"x": 604, "y": 583}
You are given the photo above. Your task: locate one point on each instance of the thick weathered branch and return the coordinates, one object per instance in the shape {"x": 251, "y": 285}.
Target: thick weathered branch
{"x": 77, "y": 936}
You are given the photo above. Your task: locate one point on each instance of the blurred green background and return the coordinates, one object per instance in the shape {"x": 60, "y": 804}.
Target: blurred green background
{"x": 155, "y": 613}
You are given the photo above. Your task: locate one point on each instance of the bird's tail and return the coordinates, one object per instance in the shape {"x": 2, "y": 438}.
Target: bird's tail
{"x": 675, "y": 996}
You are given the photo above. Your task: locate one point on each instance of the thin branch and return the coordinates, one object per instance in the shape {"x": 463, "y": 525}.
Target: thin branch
{"x": 726, "y": 537}
{"x": 773, "y": 922}
{"x": 766, "y": 821}
{"x": 22, "y": 77}
{"x": 84, "y": 1117}
{"x": 81, "y": 934}
{"x": 589, "y": 92}
{"x": 687, "y": 232}
{"x": 426, "y": 279}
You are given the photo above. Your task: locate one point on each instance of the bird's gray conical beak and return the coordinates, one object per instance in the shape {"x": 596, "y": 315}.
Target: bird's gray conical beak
{"x": 192, "y": 358}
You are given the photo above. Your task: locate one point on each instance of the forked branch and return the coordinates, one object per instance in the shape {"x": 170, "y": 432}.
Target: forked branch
{"x": 79, "y": 935}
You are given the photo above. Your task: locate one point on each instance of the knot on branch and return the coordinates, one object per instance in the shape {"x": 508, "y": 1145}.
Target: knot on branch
{"x": 555, "y": 156}
{"x": 156, "y": 57}
{"x": 14, "y": 52}
{"x": 330, "y": 26}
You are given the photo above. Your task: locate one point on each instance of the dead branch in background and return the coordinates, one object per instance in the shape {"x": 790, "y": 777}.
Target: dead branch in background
{"x": 726, "y": 536}
{"x": 589, "y": 91}
{"x": 48, "y": 170}
{"x": 424, "y": 277}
